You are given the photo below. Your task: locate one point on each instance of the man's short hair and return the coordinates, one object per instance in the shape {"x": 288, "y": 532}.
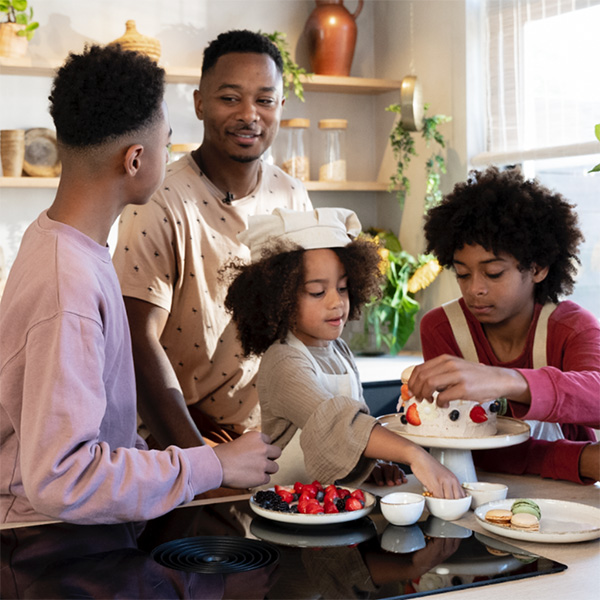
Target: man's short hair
{"x": 240, "y": 40}
{"x": 104, "y": 93}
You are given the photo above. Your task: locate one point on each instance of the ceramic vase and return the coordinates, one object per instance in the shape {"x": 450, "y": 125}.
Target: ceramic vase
{"x": 331, "y": 34}
{"x": 12, "y": 152}
{"x": 133, "y": 40}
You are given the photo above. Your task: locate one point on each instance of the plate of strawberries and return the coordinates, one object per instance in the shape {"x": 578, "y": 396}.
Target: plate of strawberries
{"x": 312, "y": 503}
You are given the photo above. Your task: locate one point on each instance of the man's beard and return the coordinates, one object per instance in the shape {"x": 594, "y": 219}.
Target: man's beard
{"x": 245, "y": 158}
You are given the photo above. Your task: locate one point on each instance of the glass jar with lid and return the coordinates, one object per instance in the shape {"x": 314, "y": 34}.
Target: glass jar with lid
{"x": 292, "y": 148}
{"x": 333, "y": 161}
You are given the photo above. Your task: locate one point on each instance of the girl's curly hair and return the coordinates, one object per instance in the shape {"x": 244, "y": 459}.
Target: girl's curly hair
{"x": 263, "y": 296}
{"x": 503, "y": 212}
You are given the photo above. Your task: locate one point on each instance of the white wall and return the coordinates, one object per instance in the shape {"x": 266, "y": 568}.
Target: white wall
{"x": 395, "y": 38}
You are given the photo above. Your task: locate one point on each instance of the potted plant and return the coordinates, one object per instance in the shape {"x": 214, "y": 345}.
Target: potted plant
{"x": 18, "y": 28}
{"x": 403, "y": 146}
{"x": 389, "y": 321}
{"x": 292, "y": 73}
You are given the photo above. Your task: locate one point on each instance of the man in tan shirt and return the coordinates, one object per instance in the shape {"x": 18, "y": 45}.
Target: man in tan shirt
{"x": 192, "y": 380}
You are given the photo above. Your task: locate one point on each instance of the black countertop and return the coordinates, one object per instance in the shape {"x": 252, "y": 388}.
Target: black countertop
{"x": 367, "y": 558}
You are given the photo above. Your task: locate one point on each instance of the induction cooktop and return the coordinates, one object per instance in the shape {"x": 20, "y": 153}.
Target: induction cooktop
{"x": 226, "y": 551}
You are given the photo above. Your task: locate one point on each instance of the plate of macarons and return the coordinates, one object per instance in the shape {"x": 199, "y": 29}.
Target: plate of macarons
{"x": 538, "y": 520}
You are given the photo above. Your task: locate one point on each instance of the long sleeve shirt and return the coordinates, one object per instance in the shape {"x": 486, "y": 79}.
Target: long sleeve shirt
{"x": 68, "y": 437}
{"x": 566, "y": 391}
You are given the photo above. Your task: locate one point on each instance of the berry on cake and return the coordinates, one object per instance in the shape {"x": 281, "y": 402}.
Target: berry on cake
{"x": 460, "y": 419}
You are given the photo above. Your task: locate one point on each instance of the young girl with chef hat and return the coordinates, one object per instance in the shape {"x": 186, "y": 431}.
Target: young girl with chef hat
{"x": 308, "y": 276}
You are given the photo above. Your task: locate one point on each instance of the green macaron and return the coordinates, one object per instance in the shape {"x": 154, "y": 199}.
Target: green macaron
{"x": 526, "y": 506}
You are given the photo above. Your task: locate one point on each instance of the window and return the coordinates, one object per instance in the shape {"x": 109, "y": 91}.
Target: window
{"x": 542, "y": 104}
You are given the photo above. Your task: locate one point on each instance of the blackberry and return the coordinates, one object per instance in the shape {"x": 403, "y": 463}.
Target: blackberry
{"x": 340, "y": 504}
{"x": 271, "y": 501}
{"x": 454, "y": 415}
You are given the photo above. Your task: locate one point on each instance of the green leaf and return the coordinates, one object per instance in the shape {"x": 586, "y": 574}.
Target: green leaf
{"x": 597, "y": 130}
{"x": 20, "y": 4}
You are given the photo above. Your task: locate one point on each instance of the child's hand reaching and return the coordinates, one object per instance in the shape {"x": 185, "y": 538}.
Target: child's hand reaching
{"x": 441, "y": 482}
{"x": 386, "y": 473}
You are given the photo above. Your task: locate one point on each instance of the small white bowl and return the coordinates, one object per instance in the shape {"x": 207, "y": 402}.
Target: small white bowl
{"x": 484, "y": 492}
{"x": 448, "y": 509}
{"x": 402, "y": 508}
{"x": 402, "y": 540}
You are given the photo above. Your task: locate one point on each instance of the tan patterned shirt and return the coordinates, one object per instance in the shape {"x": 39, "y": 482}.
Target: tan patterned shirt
{"x": 169, "y": 252}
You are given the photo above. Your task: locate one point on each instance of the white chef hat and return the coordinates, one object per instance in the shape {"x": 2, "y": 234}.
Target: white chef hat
{"x": 319, "y": 228}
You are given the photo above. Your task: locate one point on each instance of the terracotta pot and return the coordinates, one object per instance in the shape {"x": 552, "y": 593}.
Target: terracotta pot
{"x": 11, "y": 44}
{"x": 12, "y": 152}
{"x": 331, "y": 34}
{"x": 133, "y": 40}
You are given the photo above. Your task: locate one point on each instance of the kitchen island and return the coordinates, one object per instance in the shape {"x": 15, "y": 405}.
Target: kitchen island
{"x": 351, "y": 560}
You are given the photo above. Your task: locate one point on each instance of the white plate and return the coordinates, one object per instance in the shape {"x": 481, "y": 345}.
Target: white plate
{"x": 510, "y": 432}
{"x": 319, "y": 519}
{"x": 344, "y": 534}
{"x": 561, "y": 522}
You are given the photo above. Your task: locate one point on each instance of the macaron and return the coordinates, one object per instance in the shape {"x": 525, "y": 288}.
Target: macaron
{"x": 527, "y": 506}
{"x": 525, "y": 521}
{"x": 498, "y": 516}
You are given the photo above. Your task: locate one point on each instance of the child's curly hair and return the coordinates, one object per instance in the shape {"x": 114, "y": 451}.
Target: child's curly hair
{"x": 503, "y": 212}
{"x": 263, "y": 296}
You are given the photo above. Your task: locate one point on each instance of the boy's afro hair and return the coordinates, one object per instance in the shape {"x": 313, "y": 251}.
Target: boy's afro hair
{"x": 504, "y": 213}
{"x": 104, "y": 93}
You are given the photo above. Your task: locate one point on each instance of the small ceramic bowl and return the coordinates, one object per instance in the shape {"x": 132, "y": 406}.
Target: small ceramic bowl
{"x": 402, "y": 540}
{"x": 484, "y": 492}
{"x": 402, "y": 508}
{"x": 448, "y": 509}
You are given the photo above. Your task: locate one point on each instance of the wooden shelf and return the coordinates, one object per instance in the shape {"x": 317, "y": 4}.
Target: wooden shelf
{"x": 346, "y": 186}
{"x": 29, "y": 182}
{"x": 311, "y": 186}
{"x": 312, "y": 83}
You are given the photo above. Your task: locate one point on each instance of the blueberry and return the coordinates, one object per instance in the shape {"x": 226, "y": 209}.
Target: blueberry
{"x": 454, "y": 415}
{"x": 403, "y": 420}
{"x": 495, "y": 406}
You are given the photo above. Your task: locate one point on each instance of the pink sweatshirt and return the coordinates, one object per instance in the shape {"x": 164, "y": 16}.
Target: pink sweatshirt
{"x": 68, "y": 442}
{"x": 567, "y": 391}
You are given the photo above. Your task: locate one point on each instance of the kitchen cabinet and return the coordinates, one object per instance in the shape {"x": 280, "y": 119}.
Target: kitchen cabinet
{"x": 314, "y": 83}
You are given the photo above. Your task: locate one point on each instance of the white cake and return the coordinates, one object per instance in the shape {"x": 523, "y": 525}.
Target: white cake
{"x": 460, "y": 419}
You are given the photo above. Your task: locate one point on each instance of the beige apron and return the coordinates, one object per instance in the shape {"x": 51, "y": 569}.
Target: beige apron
{"x": 540, "y": 430}
{"x": 291, "y": 462}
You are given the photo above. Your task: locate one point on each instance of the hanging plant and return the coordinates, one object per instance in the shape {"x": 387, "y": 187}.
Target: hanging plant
{"x": 403, "y": 146}
{"x": 292, "y": 73}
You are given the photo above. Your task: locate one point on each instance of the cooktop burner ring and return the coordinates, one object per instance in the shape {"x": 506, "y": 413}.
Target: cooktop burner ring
{"x": 214, "y": 554}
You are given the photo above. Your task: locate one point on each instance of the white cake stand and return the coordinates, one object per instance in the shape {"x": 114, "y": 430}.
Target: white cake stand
{"x": 455, "y": 453}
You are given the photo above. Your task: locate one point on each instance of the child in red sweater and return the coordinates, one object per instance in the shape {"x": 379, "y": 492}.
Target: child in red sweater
{"x": 513, "y": 245}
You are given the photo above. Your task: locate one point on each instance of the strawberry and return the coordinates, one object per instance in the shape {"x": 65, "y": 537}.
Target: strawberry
{"x": 312, "y": 507}
{"x": 404, "y": 393}
{"x": 298, "y": 487}
{"x": 329, "y": 488}
{"x": 477, "y": 414}
{"x": 343, "y": 492}
{"x": 330, "y": 507}
{"x": 331, "y": 495}
{"x": 317, "y": 484}
{"x": 353, "y": 504}
{"x": 284, "y": 493}
{"x": 359, "y": 495}
{"x": 412, "y": 415}
{"x": 310, "y": 490}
